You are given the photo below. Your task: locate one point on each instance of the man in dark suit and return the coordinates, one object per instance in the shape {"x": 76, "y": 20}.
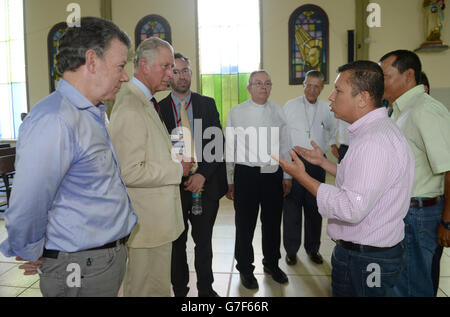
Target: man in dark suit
{"x": 209, "y": 177}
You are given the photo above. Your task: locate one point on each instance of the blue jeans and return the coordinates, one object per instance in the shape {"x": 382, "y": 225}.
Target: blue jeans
{"x": 421, "y": 275}
{"x": 366, "y": 274}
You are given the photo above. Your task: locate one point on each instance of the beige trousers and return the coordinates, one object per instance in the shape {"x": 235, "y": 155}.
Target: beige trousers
{"x": 148, "y": 272}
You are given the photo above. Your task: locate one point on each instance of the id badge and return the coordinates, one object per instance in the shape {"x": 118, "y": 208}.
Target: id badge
{"x": 177, "y": 140}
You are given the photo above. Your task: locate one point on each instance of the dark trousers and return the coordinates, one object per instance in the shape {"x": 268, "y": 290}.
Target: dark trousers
{"x": 341, "y": 151}
{"x": 253, "y": 189}
{"x": 299, "y": 198}
{"x": 202, "y": 229}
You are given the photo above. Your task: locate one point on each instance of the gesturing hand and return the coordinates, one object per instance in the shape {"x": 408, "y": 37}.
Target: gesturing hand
{"x": 314, "y": 156}
{"x": 296, "y": 168}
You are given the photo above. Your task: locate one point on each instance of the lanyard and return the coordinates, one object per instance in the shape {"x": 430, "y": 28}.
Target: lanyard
{"x": 175, "y": 109}
{"x": 310, "y": 125}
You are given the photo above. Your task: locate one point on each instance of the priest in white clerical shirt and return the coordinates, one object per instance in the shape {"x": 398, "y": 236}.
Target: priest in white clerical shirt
{"x": 309, "y": 119}
{"x": 255, "y": 129}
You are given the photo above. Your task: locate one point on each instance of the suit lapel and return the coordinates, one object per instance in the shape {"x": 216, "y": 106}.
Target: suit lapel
{"x": 196, "y": 109}
{"x": 150, "y": 109}
{"x": 167, "y": 113}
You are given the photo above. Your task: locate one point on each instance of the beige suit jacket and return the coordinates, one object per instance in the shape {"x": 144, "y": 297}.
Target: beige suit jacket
{"x": 143, "y": 148}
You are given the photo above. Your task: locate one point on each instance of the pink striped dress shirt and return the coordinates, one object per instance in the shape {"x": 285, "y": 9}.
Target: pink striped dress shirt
{"x": 373, "y": 184}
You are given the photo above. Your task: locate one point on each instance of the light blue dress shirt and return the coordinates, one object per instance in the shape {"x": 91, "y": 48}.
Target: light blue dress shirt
{"x": 67, "y": 193}
{"x": 142, "y": 87}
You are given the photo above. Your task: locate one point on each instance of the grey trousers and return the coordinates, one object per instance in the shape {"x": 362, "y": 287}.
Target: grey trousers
{"x": 94, "y": 273}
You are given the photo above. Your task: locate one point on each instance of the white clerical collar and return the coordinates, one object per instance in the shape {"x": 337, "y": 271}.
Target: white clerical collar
{"x": 306, "y": 101}
{"x": 257, "y": 104}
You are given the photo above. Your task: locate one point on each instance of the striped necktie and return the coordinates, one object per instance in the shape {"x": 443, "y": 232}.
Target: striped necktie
{"x": 155, "y": 103}
{"x": 188, "y": 141}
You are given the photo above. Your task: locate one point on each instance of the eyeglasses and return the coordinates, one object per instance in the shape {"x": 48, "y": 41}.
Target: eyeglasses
{"x": 184, "y": 72}
{"x": 316, "y": 87}
{"x": 260, "y": 84}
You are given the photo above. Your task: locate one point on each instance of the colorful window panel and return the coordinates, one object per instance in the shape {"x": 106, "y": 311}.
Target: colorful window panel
{"x": 308, "y": 43}
{"x": 152, "y": 25}
{"x": 53, "y": 38}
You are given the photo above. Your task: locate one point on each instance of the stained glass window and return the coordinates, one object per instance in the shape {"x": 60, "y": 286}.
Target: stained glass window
{"x": 152, "y": 25}
{"x": 53, "y": 37}
{"x": 229, "y": 50}
{"x": 308, "y": 43}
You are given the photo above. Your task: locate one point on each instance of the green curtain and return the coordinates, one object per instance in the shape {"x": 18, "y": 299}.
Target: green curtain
{"x": 228, "y": 90}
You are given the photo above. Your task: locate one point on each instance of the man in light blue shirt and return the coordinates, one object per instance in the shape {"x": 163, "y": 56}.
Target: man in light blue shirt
{"x": 69, "y": 213}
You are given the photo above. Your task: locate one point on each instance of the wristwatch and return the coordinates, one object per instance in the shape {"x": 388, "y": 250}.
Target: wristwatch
{"x": 445, "y": 224}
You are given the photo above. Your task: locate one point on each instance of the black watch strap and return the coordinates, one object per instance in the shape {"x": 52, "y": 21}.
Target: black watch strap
{"x": 445, "y": 224}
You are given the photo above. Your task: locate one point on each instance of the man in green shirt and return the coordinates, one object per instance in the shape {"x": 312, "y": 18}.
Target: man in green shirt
{"x": 426, "y": 125}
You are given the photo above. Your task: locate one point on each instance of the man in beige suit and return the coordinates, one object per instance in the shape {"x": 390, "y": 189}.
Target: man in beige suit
{"x": 143, "y": 147}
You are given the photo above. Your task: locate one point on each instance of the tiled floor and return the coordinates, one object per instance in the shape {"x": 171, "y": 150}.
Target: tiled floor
{"x": 305, "y": 278}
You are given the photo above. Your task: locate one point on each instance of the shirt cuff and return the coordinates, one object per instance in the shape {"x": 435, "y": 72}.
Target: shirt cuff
{"x": 31, "y": 252}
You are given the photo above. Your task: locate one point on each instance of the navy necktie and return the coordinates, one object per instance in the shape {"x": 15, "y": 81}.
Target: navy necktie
{"x": 155, "y": 103}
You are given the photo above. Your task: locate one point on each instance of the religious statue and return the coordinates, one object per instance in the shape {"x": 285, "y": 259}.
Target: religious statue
{"x": 434, "y": 17}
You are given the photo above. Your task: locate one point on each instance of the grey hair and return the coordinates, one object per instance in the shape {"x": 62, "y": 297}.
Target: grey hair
{"x": 93, "y": 33}
{"x": 148, "y": 50}
{"x": 315, "y": 74}
{"x": 257, "y": 72}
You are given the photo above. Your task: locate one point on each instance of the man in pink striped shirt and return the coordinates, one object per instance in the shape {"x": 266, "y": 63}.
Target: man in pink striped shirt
{"x": 371, "y": 196}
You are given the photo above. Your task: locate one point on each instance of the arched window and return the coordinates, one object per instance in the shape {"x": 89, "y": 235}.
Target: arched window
{"x": 52, "y": 46}
{"x": 308, "y": 43}
{"x": 152, "y": 25}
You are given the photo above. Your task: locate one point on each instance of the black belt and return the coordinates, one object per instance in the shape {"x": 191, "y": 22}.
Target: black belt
{"x": 361, "y": 248}
{"x": 424, "y": 202}
{"x": 53, "y": 254}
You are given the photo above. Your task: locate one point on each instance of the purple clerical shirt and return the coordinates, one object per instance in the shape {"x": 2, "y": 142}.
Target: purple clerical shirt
{"x": 373, "y": 184}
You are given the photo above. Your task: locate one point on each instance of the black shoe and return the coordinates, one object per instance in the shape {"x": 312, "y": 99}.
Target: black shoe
{"x": 316, "y": 258}
{"x": 277, "y": 274}
{"x": 181, "y": 292}
{"x": 210, "y": 293}
{"x": 291, "y": 259}
{"x": 249, "y": 281}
